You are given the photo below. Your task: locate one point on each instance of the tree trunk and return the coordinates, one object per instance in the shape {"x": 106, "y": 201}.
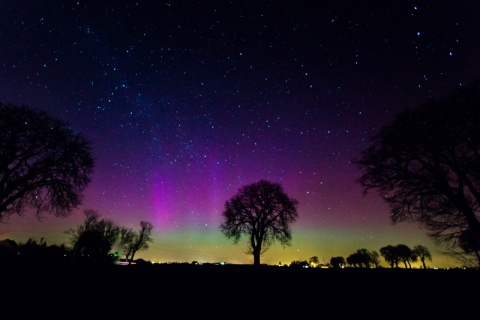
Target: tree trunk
{"x": 256, "y": 256}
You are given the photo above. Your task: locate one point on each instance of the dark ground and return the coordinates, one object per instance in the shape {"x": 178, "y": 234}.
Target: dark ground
{"x": 237, "y": 291}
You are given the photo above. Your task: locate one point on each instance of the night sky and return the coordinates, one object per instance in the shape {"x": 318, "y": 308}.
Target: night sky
{"x": 187, "y": 101}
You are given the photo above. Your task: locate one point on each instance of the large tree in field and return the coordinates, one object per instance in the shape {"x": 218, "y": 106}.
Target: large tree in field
{"x": 426, "y": 165}
{"x": 263, "y": 212}
{"x": 44, "y": 164}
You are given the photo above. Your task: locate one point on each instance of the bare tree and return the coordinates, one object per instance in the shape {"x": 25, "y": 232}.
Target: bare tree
{"x": 43, "y": 163}
{"x": 426, "y": 166}
{"x": 93, "y": 240}
{"x": 91, "y": 217}
{"x": 131, "y": 242}
{"x": 126, "y": 238}
{"x": 263, "y": 212}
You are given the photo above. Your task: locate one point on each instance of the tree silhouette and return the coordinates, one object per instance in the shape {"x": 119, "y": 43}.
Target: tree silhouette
{"x": 391, "y": 256}
{"x": 426, "y": 165}
{"x": 337, "y": 262}
{"x": 355, "y": 260}
{"x": 299, "y": 264}
{"x": 43, "y": 163}
{"x": 93, "y": 241}
{"x": 405, "y": 254}
{"x": 375, "y": 258}
{"x": 362, "y": 258}
{"x": 131, "y": 242}
{"x": 422, "y": 253}
{"x": 263, "y": 212}
{"x": 313, "y": 261}
{"x": 126, "y": 238}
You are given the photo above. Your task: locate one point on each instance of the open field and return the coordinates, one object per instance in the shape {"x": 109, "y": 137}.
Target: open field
{"x": 274, "y": 291}
{"x": 173, "y": 275}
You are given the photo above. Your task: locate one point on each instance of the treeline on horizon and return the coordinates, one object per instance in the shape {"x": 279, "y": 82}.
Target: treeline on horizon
{"x": 39, "y": 252}
{"x": 100, "y": 241}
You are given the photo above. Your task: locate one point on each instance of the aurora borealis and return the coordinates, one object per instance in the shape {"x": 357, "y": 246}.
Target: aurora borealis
{"x": 187, "y": 101}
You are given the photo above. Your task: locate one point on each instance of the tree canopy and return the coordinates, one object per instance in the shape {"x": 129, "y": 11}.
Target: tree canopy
{"x": 426, "y": 166}
{"x": 44, "y": 164}
{"x": 263, "y": 212}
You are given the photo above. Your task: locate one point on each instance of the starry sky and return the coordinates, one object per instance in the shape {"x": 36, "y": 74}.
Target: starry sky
{"x": 187, "y": 101}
